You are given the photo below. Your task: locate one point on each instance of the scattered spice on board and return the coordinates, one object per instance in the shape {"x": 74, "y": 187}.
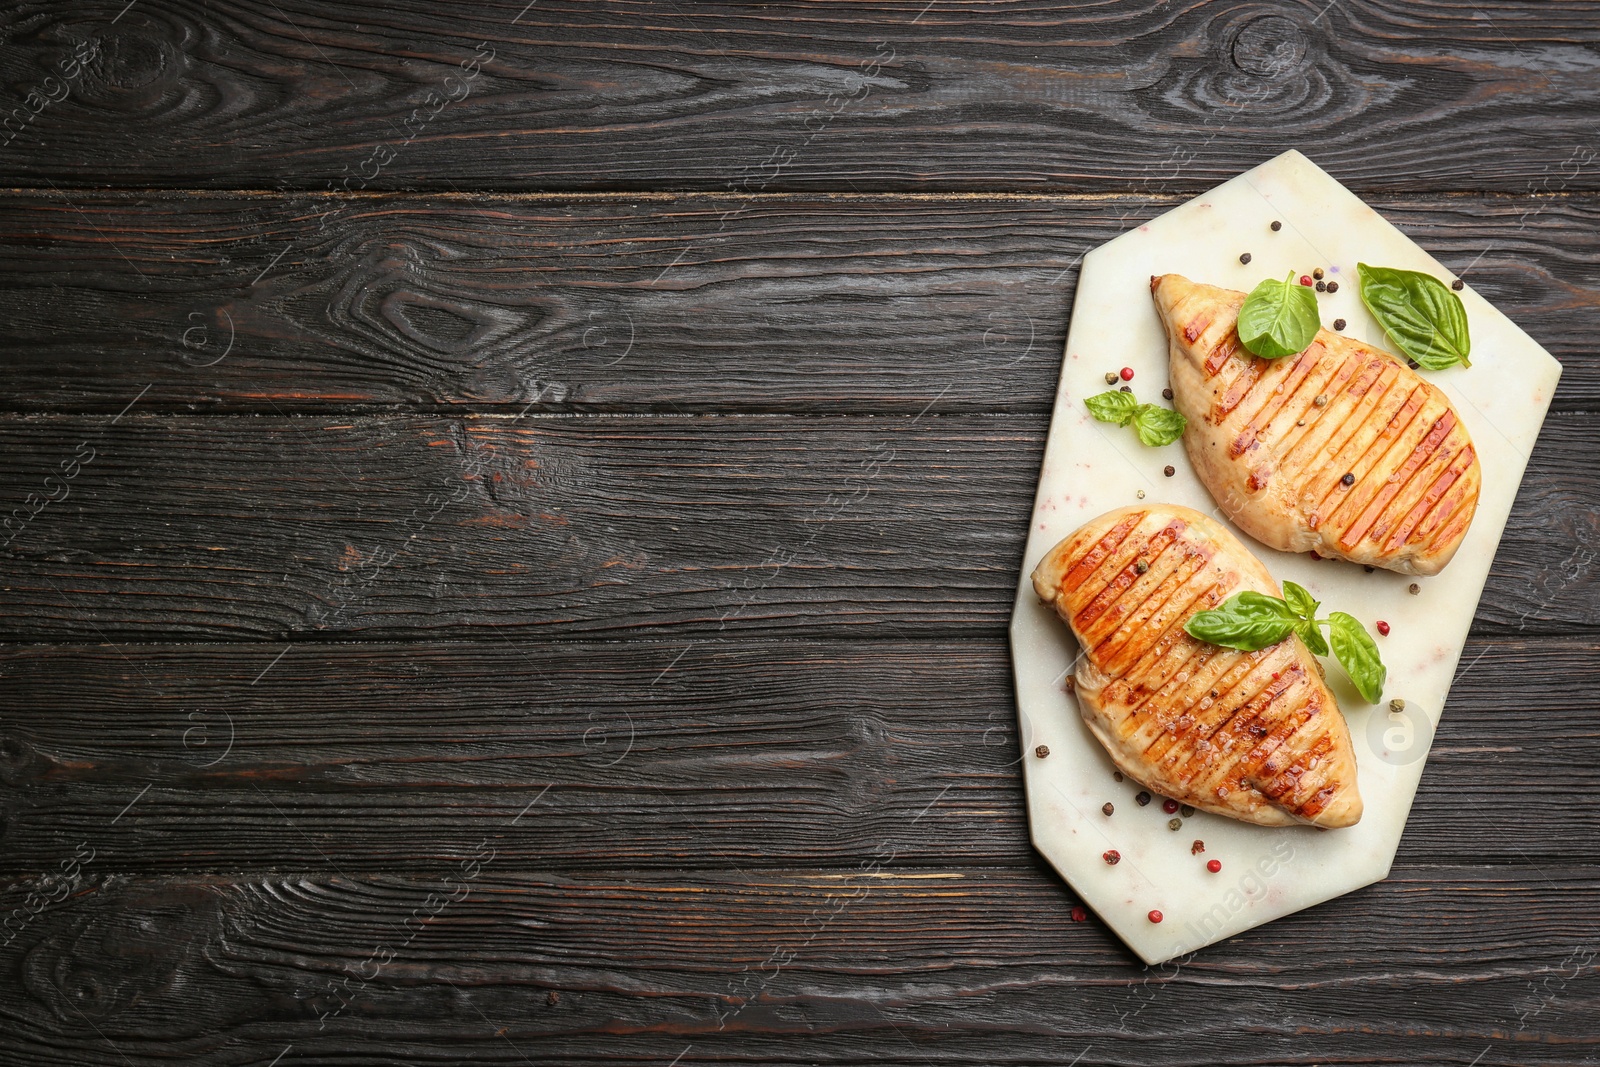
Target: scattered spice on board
{"x": 1198, "y": 847}
{"x": 1112, "y": 857}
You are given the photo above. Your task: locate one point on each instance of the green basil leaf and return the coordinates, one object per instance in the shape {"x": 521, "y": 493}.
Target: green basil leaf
{"x": 1115, "y": 406}
{"x": 1421, "y": 315}
{"x": 1311, "y": 634}
{"x": 1300, "y": 601}
{"x": 1247, "y": 621}
{"x": 1157, "y": 425}
{"x": 1278, "y": 318}
{"x": 1358, "y": 654}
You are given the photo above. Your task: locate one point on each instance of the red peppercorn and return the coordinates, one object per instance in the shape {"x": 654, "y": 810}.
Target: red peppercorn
{"x": 1127, "y": 374}
{"x": 1305, "y": 279}
{"x": 1213, "y": 866}
{"x": 1383, "y": 628}
{"x": 1112, "y": 857}
{"x": 1079, "y": 915}
{"x": 1155, "y": 916}
{"x": 1170, "y": 807}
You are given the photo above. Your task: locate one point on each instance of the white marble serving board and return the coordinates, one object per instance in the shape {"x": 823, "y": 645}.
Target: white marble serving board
{"x": 1091, "y": 467}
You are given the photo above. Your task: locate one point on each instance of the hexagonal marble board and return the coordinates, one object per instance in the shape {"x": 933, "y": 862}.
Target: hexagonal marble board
{"x": 1091, "y": 467}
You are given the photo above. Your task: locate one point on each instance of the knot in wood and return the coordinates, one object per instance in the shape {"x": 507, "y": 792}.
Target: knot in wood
{"x": 1270, "y": 46}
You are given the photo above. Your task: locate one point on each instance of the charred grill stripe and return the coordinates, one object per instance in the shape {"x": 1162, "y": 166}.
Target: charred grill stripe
{"x": 1195, "y": 327}
{"x": 1090, "y": 561}
{"x": 1221, "y": 353}
{"x": 1406, "y": 418}
{"x": 1379, "y": 412}
{"x": 1236, "y": 667}
{"x": 1259, "y": 709}
{"x": 1106, "y": 600}
{"x": 1117, "y": 657}
{"x": 1317, "y": 434}
{"x": 1240, "y": 387}
{"x": 1426, "y": 455}
{"x": 1429, "y": 497}
{"x": 1320, "y": 380}
{"x": 1275, "y": 400}
{"x": 1372, "y": 467}
{"x": 1460, "y": 486}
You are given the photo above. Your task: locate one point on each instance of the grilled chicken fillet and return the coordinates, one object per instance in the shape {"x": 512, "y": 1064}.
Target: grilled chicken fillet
{"x": 1278, "y": 462}
{"x": 1255, "y": 736}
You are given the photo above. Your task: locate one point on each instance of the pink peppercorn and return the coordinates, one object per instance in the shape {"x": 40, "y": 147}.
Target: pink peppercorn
{"x": 1305, "y": 279}
{"x": 1170, "y": 807}
{"x": 1079, "y": 915}
{"x": 1126, "y": 373}
{"x": 1155, "y": 916}
{"x": 1213, "y": 866}
{"x": 1383, "y": 628}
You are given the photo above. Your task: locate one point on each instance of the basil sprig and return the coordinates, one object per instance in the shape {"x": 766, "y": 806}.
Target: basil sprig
{"x": 1155, "y": 425}
{"x": 1278, "y": 318}
{"x": 1252, "y": 620}
{"x": 1421, "y": 315}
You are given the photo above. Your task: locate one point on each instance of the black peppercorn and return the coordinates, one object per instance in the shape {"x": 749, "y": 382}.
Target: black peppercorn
{"x": 1333, "y": 287}
{"x": 1458, "y": 285}
{"x": 1338, "y": 324}
{"x": 1107, "y": 809}
{"x": 1142, "y": 799}
{"x": 1317, "y": 273}
{"x": 1166, "y": 394}
{"x": 1322, "y": 287}
{"x": 1348, "y": 479}
{"x": 1125, "y": 389}
{"x": 1276, "y": 225}
{"x": 1169, "y": 470}
{"x": 1244, "y": 257}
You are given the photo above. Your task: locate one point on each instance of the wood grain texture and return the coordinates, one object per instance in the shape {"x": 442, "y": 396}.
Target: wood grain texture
{"x": 352, "y": 757}
{"x": 895, "y": 95}
{"x": 840, "y": 304}
{"x": 903, "y": 966}
{"x": 321, "y": 528}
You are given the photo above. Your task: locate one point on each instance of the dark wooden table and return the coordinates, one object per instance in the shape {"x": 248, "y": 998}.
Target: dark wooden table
{"x": 514, "y": 513}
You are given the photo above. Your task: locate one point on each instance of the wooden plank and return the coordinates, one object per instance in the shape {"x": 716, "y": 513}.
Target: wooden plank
{"x": 903, "y": 965}
{"x": 316, "y": 528}
{"x": 896, "y": 95}
{"x": 347, "y": 758}
{"x": 840, "y": 304}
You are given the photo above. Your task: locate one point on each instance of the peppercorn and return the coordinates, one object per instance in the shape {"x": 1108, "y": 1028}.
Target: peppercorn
{"x": 1142, "y": 799}
{"x": 1116, "y": 776}
{"x": 1127, "y": 374}
{"x": 1276, "y": 225}
{"x": 1413, "y": 588}
{"x": 1111, "y": 377}
{"x": 1186, "y": 811}
{"x": 1333, "y": 287}
{"x": 1112, "y": 857}
{"x": 1079, "y": 915}
{"x": 1166, "y": 394}
{"x": 1213, "y": 866}
{"x": 1198, "y": 847}
{"x": 1305, "y": 279}
{"x": 1169, "y": 470}
{"x": 1369, "y": 568}
{"x": 1244, "y": 257}
{"x": 1413, "y": 364}
{"x": 1322, "y": 287}
{"x": 1458, "y": 285}
{"x": 1320, "y": 400}
{"x": 1396, "y": 706}
{"x": 1174, "y": 824}
{"x": 1170, "y": 807}
{"x": 1348, "y": 479}
{"x": 1140, "y": 494}
{"x": 1338, "y": 324}
{"x": 1107, "y": 808}
{"x": 1125, "y": 389}
{"x": 1155, "y": 916}
{"x": 1042, "y": 751}
{"x": 1383, "y": 628}
{"x": 1141, "y": 567}
{"x": 1317, "y": 273}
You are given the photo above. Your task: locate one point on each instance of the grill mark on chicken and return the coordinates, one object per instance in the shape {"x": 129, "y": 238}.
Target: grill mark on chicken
{"x": 1102, "y": 613}
{"x": 1275, "y": 401}
{"x": 1371, "y": 502}
{"x": 1221, "y": 353}
{"x": 1195, "y": 328}
{"x": 1429, "y": 457}
{"x": 1326, "y": 484}
{"x": 1108, "y": 544}
{"x": 1429, "y": 497}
